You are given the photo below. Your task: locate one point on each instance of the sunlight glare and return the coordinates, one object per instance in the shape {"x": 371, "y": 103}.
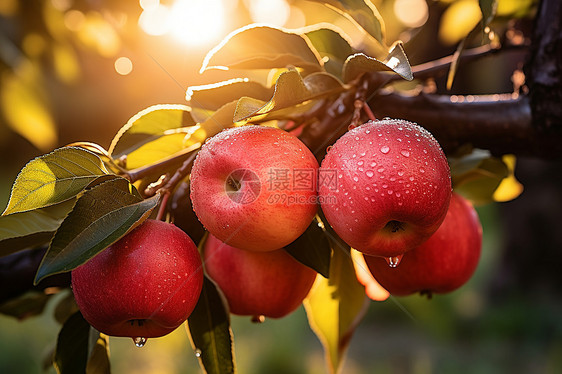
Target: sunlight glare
{"x": 197, "y": 22}
{"x": 272, "y": 12}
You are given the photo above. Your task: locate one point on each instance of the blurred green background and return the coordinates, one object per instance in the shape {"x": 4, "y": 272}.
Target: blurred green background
{"x": 76, "y": 70}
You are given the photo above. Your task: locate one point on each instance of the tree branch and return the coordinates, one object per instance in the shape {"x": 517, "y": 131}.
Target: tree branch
{"x": 500, "y": 123}
{"x": 543, "y": 70}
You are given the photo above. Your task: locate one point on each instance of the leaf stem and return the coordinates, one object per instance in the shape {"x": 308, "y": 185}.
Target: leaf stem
{"x": 143, "y": 171}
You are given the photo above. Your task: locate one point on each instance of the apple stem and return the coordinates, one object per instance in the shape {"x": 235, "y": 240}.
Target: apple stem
{"x": 427, "y": 293}
{"x": 369, "y": 112}
{"x": 163, "y": 204}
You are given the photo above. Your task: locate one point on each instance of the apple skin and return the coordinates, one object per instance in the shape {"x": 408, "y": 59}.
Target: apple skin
{"x": 144, "y": 285}
{"x": 268, "y": 211}
{"x": 271, "y": 284}
{"x": 393, "y": 187}
{"x": 443, "y": 263}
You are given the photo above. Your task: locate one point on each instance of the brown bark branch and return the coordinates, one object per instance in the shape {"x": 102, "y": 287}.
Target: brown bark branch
{"x": 499, "y": 123}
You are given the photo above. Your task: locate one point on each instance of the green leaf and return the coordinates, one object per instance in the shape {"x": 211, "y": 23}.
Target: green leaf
{"x": 396, "y": 61}
{"x": 211, "y": 97}
{"x": 263, "y": 47}
{"x": 53, "y": 178}
{"x": 100, "y": 217}
{"x": 456, "y": 56}
{"x": 23, "y": 230}
{"x": 313, "y": 249}
{"x": 29, "y": 304}
{"x": 335, "y": 306}
{"x": 98, "y": 348}
{"x": 361, "y": 12}
{"x": 290, "y": 90}
{"x": 212, "y": 125}
{"x": 210, "y": 333}
{"x": 332, "y": 44}
{"x": 488, "y": 8}
{"x": 81, "y": 349}
{"x": 152, "y": 134}
{"x": 477, "y": 175}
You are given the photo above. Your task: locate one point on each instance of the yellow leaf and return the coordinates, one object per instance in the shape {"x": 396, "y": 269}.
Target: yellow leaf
{"x": 509, "y": 188}
{"x": 373, "y": 289}
{"x": 25, "y": 109}
{"x": 458, "y": 19}
{"x": 66, "y": 63}
{"x": 335, "y": 306}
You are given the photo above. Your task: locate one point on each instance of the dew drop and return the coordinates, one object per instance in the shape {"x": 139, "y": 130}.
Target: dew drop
{"x": 139, "y": 341}
{"x": 393, "y": 261}
{"x": 411, "y": 179}
{"x": 380, "y": 170}
{"x": 422, "y": 170}
{"x": 400, "y": 173}
{"x": 360, "y": 163}
{"x": 369, "y": 173}
{"x": 385, "y": 149}
{"x": 355, "y": 179}
{"x": 197, "y": 353}
{"x": 373, "y": 164}
{"x": 258, "y": 319}
{"x": 405, "y": 153}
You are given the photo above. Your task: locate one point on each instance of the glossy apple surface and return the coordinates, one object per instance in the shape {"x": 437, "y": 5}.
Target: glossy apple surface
{"x": 144, "y": 285}
{"x": 253, "y": 187}
{"x": 443, "y": 263}
{"x": 392, "y": 187}
{"x": 270, "y": 284}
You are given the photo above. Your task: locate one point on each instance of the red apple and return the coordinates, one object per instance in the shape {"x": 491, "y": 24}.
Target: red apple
{"x": 391, "y": 187}
{"x": 143, "y": 286}
{"x": 443, "y": 263}
{"x": 254, "y": 188}
{"x": 270, "y": 284}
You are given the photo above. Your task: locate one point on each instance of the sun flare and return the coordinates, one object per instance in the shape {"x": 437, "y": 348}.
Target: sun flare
{"x": 191, "y": 22}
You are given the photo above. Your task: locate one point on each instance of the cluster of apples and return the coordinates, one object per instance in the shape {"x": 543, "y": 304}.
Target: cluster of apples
{"x": 384, "y": 187}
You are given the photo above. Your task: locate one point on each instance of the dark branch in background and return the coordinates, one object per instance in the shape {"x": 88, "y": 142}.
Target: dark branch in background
{"x": 544, "y": 70}
{"x": 499, "y": 123}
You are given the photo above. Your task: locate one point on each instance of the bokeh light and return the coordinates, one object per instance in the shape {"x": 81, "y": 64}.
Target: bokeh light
{"x": 123, "y": 65}
{"x": 412, "y": 13}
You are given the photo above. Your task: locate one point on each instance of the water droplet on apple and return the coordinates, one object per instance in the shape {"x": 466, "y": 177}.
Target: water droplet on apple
{"x": 355, "y": 179}
{"x": 258, "y": 319}
{"x": 405, "y": 153}
{"x": 198, "y": 353}
{"x": 422, "y": 170}
{"x": 385, "y": 149}
{"x": 373, "y": 164}
{"x": 360, "y": 163}
{"x": 140, "y": 341}
{"x": 369, "y": 173}
{"x": 393, "y": 261}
